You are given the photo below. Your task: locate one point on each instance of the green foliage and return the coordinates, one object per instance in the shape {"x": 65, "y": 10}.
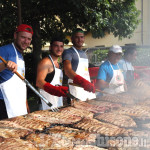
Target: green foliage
{"x": 143, "y": 57}
{"x": 97, "y": 16}
{"x": 101, "y": 54}
{"x": 51, "y": 17}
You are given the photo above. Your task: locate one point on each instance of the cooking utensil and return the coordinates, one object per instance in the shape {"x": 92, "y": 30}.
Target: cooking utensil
{"x": 72, "y": 97}
{"x": 97, "y": 90}
{"x": 32, "y": 88}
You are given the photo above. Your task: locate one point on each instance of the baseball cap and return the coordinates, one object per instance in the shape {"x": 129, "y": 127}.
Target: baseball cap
{"x": 116, "y": 49}
{"x": 24, "y": 28}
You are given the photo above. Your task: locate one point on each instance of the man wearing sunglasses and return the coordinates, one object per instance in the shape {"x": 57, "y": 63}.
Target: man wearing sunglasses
{"x": 110, "y": 78}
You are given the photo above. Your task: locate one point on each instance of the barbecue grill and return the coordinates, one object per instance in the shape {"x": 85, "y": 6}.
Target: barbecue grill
{"x": 93, "y": 122}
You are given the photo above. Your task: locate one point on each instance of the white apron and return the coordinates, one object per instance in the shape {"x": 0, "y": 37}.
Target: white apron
{"x": 54, "y": 100}
{"x": 82, "y": 70}
{"x": 14, "y": 91}
{"x": 116, "y": 79}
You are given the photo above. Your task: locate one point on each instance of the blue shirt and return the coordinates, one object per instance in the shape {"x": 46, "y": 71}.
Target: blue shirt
{"x": 105, "y": 71}
{"x": 71, "y": 55}
{"x": 7, "y": 52}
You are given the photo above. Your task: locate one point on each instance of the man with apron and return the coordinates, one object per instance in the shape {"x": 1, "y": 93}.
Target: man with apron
{"x": 126, "y": 66}
{"x": 13, "y": 100}
{"x": 76, "y": 64}
{"x": 110, "y": 78}
{"x": 49, "y": 76}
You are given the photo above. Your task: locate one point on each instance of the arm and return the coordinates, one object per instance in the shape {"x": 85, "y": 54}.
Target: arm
{"x": 88, "y": 86}
{"x": 10, "y": 65}
{"x": 103, "y": 75}
{"x": 45, "y": 67}
{"x": 101, "y": 78}
{"x": 28, "y": 109}
{"x": 101, "y": 84}
{"x": 68, "y": 69}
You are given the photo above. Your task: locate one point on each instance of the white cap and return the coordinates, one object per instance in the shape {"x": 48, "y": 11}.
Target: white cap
{"x": 116, "y": 49}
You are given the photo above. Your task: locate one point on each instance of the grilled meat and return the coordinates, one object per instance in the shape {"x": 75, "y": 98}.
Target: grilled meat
{"x": 46, "y": 141}
{"x": 122, "y": 98}
{"x": 1, "y": 139}
{"x": 117, "y": 119}
{"x": 137, "y": 111}
{"x": 17, "y": 144}
{"x": 77, "y": 112}
{"x": 89, "y": 107}
{"x": 95, "y": 126}
{"x": 10, "y": 124}
{"x": 110, "y": 105}
{"x": 29, "y": 123}
{"x": 54, "y": 117}
{"x": 10, "y": 132}
{"x": 73, "y": 134}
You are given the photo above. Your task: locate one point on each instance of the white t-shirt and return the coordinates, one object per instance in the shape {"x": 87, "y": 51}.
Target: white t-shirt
{"x": 126, "y": 66}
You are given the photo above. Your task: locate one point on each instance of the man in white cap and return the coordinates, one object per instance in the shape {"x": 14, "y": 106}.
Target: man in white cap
{"x": 110, "y": 78}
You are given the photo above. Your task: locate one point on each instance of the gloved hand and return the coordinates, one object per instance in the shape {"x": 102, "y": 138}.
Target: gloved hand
{"x": 88, "y": 86}
{"x": 55, "y": 90}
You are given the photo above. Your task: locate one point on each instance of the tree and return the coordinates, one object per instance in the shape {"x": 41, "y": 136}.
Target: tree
{"x": 49, "y": 17}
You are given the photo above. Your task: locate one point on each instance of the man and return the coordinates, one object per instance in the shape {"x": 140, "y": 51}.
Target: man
{"x": 49, "y": 76}
{"x": 75, "y": 64}
{"x": 13, "y": 89}
{"x": 110, "y": 78}
{"x": 126, "y": 64}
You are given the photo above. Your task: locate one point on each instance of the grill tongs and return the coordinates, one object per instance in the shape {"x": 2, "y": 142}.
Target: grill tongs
{"x": 32, "y": 88}
{"x": 72, "y": 97}
{"x": 97, "y": 90}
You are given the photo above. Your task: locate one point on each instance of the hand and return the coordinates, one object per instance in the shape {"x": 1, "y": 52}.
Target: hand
{"x": 11, "y": 66}
{"x": 56, "y": 90}
{"x": 115, "y": 85}
{"x": 88, "y": 86}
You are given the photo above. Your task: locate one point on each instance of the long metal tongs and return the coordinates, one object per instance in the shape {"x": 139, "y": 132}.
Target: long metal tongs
{"x": 97, "y": 90}
{"x": 32, "y": 88}
{"x": 71, "y": 96}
